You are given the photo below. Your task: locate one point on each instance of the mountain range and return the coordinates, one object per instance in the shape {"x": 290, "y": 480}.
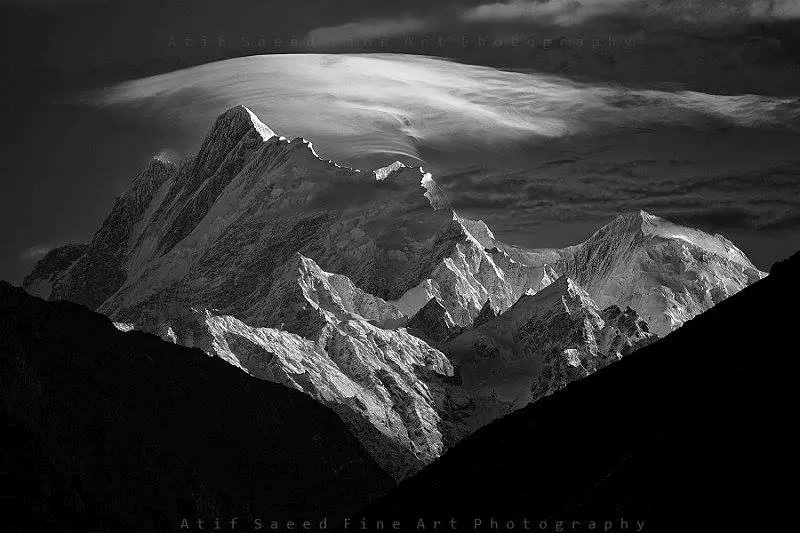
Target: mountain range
{"x": 688, "y": 433}
{"x": 123, "y": 431}
{"x": 368, "y": 292}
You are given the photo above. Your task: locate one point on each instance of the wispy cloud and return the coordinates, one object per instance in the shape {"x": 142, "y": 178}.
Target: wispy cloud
{"x": 35, "y": 252}
{"x": 569, "y": 12}
{"x": 753, "y": 200}
{"x": 167, "y": 155}
{"x": 563, "y": 12}
{"x": 587, "y": 151}
{"x": 351, "y": 105}
{"x": 367, "y": 29}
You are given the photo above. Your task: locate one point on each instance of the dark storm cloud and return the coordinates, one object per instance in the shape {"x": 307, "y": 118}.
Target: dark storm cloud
{"x": 780, "y": 183}
{"x": 714, "y": 217}
{"x": 562, "y": 13}
{"x": 768, "y": 200}
{"x": 727, "y": 47}
{"x": 789, "y": 220}
{"x": 50, "y": 2}
{"x": 470, "y": 200}
{"x": 568, "y": 12}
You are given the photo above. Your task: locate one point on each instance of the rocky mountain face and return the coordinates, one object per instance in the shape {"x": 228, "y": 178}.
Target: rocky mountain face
{"x": 367, "y": 292}
{"x": 671, "y": 438}
{"x": 40, "y": 281}
{"x": 546, "y": 340}
{"x": 386, "y": 384}
{"x": 434, "y": 323}
{"x": 112, "y": 431}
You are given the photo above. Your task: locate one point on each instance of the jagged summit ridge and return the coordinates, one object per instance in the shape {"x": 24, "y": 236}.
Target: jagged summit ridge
{"x": 667, "y": 272}
{"x": 324, "y": 341}
{"x": 239, "y": 117}
{"x": 540, "y": 344}
{"x": 362, "y": 288}
{"x": 263, "y": 130}
{"x": 649, "y": 225}
{"x": 41, "y": 279}
{"x": 237, "y": 174}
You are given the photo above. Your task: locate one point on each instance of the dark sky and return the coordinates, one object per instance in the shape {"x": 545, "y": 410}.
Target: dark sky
{"x": 61, "y": 165}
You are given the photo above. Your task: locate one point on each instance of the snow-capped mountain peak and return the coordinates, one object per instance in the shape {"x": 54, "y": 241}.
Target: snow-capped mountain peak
{"x": 351, "y": 286}
{"x": 648, "y": 225}
{"x": 243, "y": 113}
{"x": 563, "y": 293}
{"x": 667, "y": 272}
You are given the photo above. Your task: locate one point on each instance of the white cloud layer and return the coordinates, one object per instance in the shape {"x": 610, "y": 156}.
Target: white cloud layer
{"x": 568, "y": 12}
{"x": 357, "y": 105}
{"x": 541, "y": 158}
{"x": 35, "y": 252}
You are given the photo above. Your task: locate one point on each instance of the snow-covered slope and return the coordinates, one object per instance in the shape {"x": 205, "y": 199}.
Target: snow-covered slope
{"x": 462, "y": 273}
{"x": 214, "y": 232}
{"x": 348, "y": 284}
{"x": 247, "y": 207}
{"x": 544, "y": 341}
{"x": 666, "y": 272}
{"x": 386, "y": 384}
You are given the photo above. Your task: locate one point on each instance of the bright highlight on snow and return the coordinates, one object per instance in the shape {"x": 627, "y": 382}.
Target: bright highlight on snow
{"x": 359, "y": 105}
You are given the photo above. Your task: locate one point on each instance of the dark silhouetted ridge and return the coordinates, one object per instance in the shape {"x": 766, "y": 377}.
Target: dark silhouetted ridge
{"x": 112, "y": 431}
{"x": 691, "y": 433}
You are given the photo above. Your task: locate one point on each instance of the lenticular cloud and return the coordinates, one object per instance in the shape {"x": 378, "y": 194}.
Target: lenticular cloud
{"x": 352, "y": 106}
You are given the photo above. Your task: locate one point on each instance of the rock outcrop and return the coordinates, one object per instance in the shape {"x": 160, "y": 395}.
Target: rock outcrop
{"x": 386, "y": 384}
{"x": 544, "y": 341}
{"x": 434, "y": 323}
{"x": 462, "y": 274}
{"x": 44, "y": 275}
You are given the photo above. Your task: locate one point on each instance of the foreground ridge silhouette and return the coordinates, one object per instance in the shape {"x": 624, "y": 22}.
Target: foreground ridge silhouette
{"x": 118, "y": 431}
{"x": 691, "y": 433}
{"x": 112, "y": 431}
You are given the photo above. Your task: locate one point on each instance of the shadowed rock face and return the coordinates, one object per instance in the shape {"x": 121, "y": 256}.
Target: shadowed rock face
{"x": 676, "y": 435}
{"x": 303, "y": 272}
{"x": 434, "y": 323}
{"x": 387, "y": 385}
{"x": 461, "y": 274}
{"x": 488, "y": 312}
{"x": 134, "y": 433}
{"x": 542, "y": 343}
{"x": 101, "y": 270}
{"x": 40, "y": 281}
